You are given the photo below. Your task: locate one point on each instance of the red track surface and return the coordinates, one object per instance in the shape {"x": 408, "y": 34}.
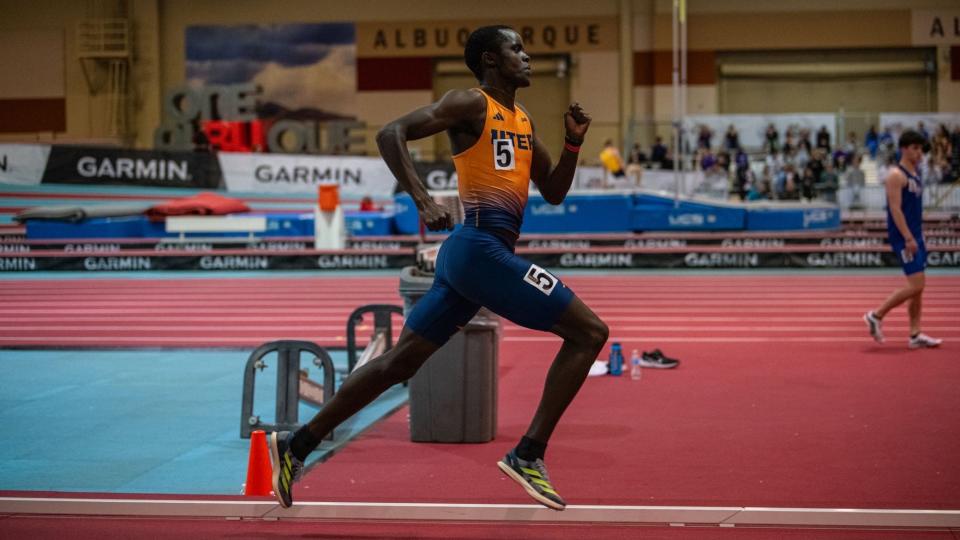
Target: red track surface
{"x": 781, "y": 399}
{"x": 245, "y": 312}
{"x": 156, "y": 529}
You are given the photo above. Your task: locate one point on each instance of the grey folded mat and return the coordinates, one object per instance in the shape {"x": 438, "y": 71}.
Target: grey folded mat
{"x": 79, "y": 213}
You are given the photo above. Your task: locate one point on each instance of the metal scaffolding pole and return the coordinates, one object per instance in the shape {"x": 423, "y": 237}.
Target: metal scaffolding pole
{"x": 684, "y": 141}
{"x": 675, "y": 41}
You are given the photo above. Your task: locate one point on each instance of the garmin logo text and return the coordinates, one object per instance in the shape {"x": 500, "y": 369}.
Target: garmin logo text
{"x": 17, "y": 264}
{"x": 848, "y": 259}
{"x": 820, "y": 215}
{"x": 375, "y": 244}
{"x": 753, "y": 242}
{"x": 851, "y": 242}
{"x": 116, "y": 263}
{"x": 278, "y": 246}
{"x": 941, "y": 241}
{"x": 307, "y": 175}
{"x": 548, "y": 210}
{"x": 943, "y": 258}
{"x": 722, "y": 260}
{"x": 234, "y": 262}
{"x": 193, "y": 247}
{"x": 152, "y": 169}
{"x": 596, "y": 260}
{"x": 655, "y": 243}
{"x": 14, "y": 248}
{"x": 440, "y": 179}
{"x": 92, "y": 248}
{"x": 559, "y": 244}
{"x": 331, "y": 262}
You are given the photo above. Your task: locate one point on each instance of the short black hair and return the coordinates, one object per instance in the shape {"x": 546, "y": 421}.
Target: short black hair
{"x": 481, "y": 40}
{"x": 910, "y": 136}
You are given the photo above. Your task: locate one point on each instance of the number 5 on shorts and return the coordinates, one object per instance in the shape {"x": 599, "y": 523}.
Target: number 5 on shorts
{"x": 541, "y": 279}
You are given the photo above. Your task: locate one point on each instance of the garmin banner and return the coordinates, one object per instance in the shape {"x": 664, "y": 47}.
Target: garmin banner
{"x": 91, "y": 165}
{"x": 86, "y": 261}
{"x": 23, "y": 164}
{"x": 357, "y": 177}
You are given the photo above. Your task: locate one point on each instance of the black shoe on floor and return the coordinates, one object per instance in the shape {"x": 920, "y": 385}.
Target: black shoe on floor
{"x": 657, "y": 360}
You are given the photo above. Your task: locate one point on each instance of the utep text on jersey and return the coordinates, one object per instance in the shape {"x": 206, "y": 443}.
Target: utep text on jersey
{"x": 494, "y": 173}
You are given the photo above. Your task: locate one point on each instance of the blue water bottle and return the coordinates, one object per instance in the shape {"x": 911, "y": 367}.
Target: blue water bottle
{"x": 616, "y": 360}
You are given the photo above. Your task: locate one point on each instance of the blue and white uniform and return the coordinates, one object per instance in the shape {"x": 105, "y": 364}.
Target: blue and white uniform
{"x": 911, "y": 203}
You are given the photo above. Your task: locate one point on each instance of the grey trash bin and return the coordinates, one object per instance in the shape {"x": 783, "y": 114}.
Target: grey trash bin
{"x": 453, "y": 398}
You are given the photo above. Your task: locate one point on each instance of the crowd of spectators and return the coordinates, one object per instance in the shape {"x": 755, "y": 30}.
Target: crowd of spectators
{"x": 799, "y": 165}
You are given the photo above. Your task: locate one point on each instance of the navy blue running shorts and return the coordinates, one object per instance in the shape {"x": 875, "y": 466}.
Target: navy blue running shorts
{"x": 475, "y": 268}
{"x": 914, "y": 264}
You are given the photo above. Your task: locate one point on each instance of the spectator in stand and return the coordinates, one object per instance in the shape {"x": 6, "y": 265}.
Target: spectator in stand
{"x": 790, "y": 192}
{"x": 923, "y": 131}
{"x": 823, "y": 138}
{"x": 872, "y": 142}
{"x": 828, "y": 184}
{"x": 636, "y": 161}
{"x": 940, "y": 152}
{"x": 658, "y": 153}
{"x": 731, "y": 140}
{"x": 612, "y": 162}
{"x": 850, "y": 148}
{"x": 782, "y": 178}
{"x": 637, "y": 156}
{"x": 704, "y": 139}
{"x": 789, "y": 141}
{"x": 708, "y": 161}
{"x": 771, "y": 140}
{"x": 743, "y": 175}
{"x": 808, "y": 184}
{"x": 760, "y": 191}
{"x": 816, "y": 163}
{"x": 804, "y": 141}
{"x": 890, "y": 162}
{"x": 855, "y": 180}
{"x": 840, "y": 161}
{"x": 886, "y": 137}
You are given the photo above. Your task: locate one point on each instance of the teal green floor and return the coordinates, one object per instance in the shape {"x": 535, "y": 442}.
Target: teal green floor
{"x": 135, "y": 421}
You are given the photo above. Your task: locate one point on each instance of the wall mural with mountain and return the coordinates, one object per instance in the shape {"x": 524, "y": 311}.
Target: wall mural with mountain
{"x": 307, "y": 72}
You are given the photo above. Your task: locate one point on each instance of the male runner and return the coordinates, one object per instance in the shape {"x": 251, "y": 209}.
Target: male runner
{"x": 905, "y": 228}
{"x": 496, "y": 154}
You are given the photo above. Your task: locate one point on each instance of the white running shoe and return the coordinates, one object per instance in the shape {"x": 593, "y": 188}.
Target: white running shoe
{"x": 875, "y": 325}
{"x": 923, "y": 341}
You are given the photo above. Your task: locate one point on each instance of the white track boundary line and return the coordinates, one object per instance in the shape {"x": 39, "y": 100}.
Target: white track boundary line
{"x": 700, "y": 515}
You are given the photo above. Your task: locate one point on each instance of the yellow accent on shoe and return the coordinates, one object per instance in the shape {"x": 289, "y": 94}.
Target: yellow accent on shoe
{"x": 542, "y": 482}
{"x": 531, "y": 472}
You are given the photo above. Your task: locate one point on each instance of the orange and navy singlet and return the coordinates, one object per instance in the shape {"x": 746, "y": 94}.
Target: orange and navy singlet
{"x": 477, "y": 265}
{"x": 494, "y": 173}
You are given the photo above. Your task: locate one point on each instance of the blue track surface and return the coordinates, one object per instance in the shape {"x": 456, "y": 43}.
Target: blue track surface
{"x": 135, "y": 421}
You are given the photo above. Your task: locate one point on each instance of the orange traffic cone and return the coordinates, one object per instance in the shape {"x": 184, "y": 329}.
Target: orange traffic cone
{"x": 259, "y": 471}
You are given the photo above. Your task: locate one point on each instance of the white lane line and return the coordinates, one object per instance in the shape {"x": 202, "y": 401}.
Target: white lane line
{"x": 124, "y": 326}
{"x": 893, "y": 318}
{"x": 716, "y": 515}
{"x": 254, "y": 340}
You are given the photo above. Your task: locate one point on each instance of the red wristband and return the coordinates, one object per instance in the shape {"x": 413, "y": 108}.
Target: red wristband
{"x": 571, "y": 148}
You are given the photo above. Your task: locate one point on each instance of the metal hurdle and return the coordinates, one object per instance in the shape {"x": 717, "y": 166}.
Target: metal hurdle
{"x": 289, "y": 382}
